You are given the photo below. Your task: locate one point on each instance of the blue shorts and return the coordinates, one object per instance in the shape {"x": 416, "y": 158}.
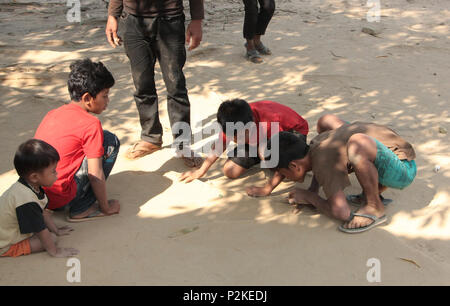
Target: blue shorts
{"x": 393, "y": 172}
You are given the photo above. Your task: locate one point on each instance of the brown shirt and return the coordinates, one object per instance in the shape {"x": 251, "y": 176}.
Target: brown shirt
{"x": 329, "y": 152}
{"x": 155, "y": 8}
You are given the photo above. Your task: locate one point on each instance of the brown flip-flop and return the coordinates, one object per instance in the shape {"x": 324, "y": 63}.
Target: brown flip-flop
{"x": 137, "y": 151}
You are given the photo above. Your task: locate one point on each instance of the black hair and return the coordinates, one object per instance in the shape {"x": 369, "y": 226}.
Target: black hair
{"x": 291, "y": 147}
{"x": 234, "y": 111}
{"x": 34, "y": 155}
{"x": 88, "y": 77}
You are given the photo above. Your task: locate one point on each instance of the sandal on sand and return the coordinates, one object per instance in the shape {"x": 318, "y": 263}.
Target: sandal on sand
{"x": 376, "y": 221}
{"x": 254, "y": 57}
{"x": 355, "y": 199}
{"x": 93, "y": 216}
{"x": 138, "y": 150}
{"x": 263, "y": 49}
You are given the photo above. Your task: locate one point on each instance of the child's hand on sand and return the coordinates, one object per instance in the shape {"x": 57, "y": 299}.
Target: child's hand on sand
{"x": 191, "y": 175}
{"x": 254, "y": 191}
{"x": 66, "y": 252}
{"x": 65, "y": 230}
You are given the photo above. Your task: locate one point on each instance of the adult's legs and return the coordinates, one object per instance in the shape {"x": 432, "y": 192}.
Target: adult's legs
{"x": 267, "y": 8}
{"x": 256, "y": 20}
{"x": 250, "y": 20}
{"x": 139, "y": 40}
{"x": 250, "y": 29}
{"x": 171, "y": 53}
{"x": 362, "y": 152}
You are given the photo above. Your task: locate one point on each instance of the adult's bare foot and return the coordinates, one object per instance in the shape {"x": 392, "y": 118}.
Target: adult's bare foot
{"x": 140, "y": 149}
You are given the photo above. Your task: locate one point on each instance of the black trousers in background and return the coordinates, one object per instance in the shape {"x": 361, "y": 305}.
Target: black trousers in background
{"x": 256, "y": 20}
{"x": 147, "y": 40}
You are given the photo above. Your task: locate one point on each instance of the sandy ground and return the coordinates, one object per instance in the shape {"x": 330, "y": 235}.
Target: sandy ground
{"x": 210, "y": 232}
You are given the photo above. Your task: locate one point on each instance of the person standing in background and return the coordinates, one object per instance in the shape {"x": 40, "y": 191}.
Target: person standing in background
{"x": 255, "y": 25}
{"x": 155, "y": 30}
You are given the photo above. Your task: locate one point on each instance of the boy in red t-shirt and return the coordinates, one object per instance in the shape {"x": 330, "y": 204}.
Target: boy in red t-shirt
{"x": 249, "y": 125}
{"x": 87, "y": 152}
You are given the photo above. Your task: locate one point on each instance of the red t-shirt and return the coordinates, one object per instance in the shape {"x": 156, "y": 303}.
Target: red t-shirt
{"x": 75, "y": 134}
{"x": 270, "y": 111}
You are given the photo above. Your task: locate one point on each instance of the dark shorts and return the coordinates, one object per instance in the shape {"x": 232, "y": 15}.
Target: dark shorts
{"x": 245, "y": 156}
{"x": 85, "y": 196}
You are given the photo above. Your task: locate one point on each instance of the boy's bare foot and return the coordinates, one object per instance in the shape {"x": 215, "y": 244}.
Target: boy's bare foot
{"x": 360, "y": 221}
{"x": 140, "y": 149}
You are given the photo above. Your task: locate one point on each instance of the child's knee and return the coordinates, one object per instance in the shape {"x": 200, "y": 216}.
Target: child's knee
{"x": 231, "y": 171}
{"x": 360, "y": 146}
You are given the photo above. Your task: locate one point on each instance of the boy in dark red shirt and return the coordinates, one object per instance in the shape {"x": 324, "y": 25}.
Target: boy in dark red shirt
{"x": 87, "y": 152}
{"x": 250, "y": 125}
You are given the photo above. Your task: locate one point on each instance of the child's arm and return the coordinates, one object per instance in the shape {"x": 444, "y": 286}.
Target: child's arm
{"x": 189, "y": 176}
{"x": 49, "y": 245}
{"x": 58, "y": 231}
{"x": 273, "y": 182}
{"x": 314, "y": 187}
{"x": 98, "y": 183}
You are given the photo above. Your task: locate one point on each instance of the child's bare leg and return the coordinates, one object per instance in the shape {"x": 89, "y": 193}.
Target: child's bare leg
{"x": 362, "y": 151}
{"x": 361, "y": 198}
{"x": 328, "y": 122}
{"x": 36, "y": 244}
{"x": 233, "y": 170}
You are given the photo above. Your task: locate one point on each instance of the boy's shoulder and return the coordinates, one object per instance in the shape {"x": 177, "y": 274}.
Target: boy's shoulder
{"x": 71, "y": 109}
{"x": 269, "y": 106}
{"x": 70, "y": 115}
{"x": 16, "y": 195}
{"x": 263, "y": 102}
